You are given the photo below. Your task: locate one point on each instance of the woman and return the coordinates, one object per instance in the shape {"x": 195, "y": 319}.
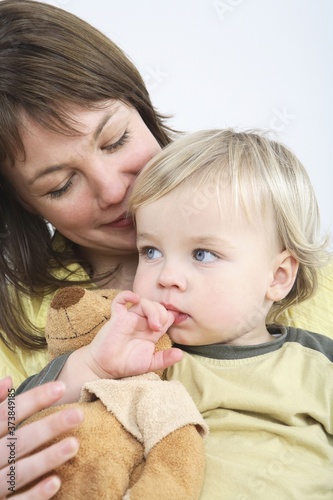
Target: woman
{"x": 77, "y": 125}
{"x": 64, "y": 85}
{"x": 75, "y": 118}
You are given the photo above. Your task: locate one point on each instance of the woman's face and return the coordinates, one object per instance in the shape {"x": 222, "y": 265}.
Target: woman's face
{"x": 81, "y": 183}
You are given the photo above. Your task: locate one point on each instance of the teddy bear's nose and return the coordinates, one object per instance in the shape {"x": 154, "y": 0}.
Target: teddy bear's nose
{"x": 66, "y": 297}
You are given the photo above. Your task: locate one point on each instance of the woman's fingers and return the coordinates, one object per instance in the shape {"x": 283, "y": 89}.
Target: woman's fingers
{"x": 28, "y": 403}
{"x": 16, "y": 468}
{"x": 5, "y": 384}
{"x": 30, "y": 468}
{"x": 41, "y": 491}
{"x": 30, "y": 437}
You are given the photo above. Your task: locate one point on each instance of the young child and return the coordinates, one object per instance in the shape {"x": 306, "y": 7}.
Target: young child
{"x": 228, "y": 237}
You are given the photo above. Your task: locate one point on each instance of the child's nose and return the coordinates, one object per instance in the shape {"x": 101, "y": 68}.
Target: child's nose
{"x": 171, "y": 276}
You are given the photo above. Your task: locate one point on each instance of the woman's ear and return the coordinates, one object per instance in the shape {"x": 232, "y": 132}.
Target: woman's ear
{"x": 285, "y": 273}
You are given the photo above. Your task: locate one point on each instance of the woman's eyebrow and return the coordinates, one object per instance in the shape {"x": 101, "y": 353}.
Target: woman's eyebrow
{"x": 43, "y": 172}
{"x": 101, "y": 125}
{"x": 104, "y": 120}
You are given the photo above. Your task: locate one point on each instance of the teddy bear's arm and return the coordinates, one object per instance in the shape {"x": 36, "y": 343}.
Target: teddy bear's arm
{"x": 174, "y": 468}
{"x": 163, "y": 417}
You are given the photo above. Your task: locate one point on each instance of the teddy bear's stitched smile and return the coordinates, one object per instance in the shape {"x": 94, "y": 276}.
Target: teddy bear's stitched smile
{"x": 78, "y": 334}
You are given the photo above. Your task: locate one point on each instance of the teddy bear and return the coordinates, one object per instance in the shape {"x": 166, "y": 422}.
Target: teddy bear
{"x": 142, "y": 437}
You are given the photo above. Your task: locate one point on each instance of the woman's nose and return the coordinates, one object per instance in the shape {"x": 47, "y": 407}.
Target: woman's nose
{"x": 111, "y": 186}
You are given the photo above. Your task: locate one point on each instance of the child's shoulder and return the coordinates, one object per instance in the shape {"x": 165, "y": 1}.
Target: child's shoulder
{"x": 311, "y": 340}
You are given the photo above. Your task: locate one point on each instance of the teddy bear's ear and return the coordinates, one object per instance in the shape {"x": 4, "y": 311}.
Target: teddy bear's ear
{"x": 75, "y": 316}
{"x": 66, "y": 297}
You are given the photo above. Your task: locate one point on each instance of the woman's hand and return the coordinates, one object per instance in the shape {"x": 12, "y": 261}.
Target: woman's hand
{"x": 16, "y": 468}
{"x": 125, "y": 345}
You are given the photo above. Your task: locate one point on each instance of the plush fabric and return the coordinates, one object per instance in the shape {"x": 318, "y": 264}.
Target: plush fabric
{"x": 141, "y": 437}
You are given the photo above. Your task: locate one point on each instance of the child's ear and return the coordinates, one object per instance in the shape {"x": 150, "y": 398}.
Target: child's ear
{"x": 284, "y": 276}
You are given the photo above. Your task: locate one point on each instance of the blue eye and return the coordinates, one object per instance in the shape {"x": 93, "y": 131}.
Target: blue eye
{"x": 204, "y": 255}
{"x": 151, "y": 253}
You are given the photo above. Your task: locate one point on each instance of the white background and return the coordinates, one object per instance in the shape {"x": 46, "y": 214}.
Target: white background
{"x": 241, "y": 63}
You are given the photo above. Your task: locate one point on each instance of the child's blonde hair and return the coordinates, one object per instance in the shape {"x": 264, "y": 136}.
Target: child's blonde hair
{"x": 262, "y": 175}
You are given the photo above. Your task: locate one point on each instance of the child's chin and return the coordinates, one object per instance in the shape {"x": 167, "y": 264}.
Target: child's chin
{"x": 180, "y": 338}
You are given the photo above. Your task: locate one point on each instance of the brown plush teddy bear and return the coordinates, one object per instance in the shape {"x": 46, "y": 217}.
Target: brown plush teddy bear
{"x": 141, "y": 437}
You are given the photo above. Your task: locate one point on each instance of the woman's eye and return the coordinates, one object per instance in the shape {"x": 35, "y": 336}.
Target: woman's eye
{"x": 204, "y": 255}
{"x": 151, "y": 253}
{"x": 118, "y": 144}
{"x": 59, "y": 192}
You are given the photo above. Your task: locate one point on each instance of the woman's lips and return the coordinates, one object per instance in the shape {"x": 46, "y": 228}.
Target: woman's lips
{"x": 122, "y": 222}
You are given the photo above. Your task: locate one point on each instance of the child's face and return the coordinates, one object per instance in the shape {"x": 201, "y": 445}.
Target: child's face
{"x": 214, "y": 268}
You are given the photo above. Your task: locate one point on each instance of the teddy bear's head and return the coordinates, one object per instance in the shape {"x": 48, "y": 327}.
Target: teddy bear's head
{"x": 76, "y": 315}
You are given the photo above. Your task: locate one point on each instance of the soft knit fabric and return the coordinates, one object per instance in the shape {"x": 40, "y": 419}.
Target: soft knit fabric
{"x": 269, "y": 409}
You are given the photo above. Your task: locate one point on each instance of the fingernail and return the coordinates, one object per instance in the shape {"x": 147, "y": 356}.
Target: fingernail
{"x": 73, "y": 416}
{"x": 69, "y": 447}
{"x": 52, "y": 485}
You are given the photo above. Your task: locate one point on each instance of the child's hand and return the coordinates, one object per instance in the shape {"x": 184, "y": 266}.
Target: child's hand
{"x": 125, "y": 345}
